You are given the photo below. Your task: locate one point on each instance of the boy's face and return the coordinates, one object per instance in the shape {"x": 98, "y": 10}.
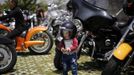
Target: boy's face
{"x": 66, "y": 34}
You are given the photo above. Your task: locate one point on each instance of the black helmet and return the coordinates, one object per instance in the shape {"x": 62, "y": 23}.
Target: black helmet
{"x": 68, "y": 29}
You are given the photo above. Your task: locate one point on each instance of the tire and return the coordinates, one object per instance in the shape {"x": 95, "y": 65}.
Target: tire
{"x": 9, "y": 58}
{"x": 41, "y": 49}
{"x": 112, "y": 67}
{"x": 58, "y": 60}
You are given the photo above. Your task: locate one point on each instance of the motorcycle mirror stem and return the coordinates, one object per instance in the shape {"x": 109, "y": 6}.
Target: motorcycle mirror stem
{"x": 118, "y": 12}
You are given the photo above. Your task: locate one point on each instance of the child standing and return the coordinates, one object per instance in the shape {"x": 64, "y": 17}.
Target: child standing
{"x": 68, "y": 47}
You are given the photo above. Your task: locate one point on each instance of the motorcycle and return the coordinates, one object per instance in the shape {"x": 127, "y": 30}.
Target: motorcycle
{"x": 100, "y": 34}
{"x": 36, "y": 39}
{"x": 102, "y": 31}
{"x": 55, "y": 17}
{"x": 8, "y": 56}
{"x": 122, "y": 57}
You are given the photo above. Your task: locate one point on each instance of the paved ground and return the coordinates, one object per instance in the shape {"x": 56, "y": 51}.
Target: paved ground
{"x": 28, "y": 64}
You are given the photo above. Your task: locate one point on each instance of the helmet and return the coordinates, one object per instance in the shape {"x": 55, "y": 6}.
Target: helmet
{"x": 68, "y": 30}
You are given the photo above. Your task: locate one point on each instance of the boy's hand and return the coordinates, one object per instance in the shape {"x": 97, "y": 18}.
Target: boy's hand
{"x": 68, "y": 49}
{"x": 62, "y": 49}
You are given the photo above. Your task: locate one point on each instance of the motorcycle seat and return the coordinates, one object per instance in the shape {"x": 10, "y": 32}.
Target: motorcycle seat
{"x": 23, "y": 34}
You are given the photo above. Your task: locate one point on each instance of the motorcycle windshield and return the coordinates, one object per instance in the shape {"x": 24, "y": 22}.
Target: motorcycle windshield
{"x": 90, "y": 14}
{"x": 104, "y": 4}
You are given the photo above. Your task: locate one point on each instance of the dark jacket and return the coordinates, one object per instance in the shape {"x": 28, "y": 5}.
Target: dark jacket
{"x": 15, "y": 13}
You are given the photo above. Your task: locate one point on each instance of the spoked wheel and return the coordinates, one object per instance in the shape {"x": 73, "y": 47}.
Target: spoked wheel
{"x": 41, "y": 48}
{"x": 8, "y": 58}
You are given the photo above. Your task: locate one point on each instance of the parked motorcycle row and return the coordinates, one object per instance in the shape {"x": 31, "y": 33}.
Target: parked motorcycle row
{"x": 100, "y": 35}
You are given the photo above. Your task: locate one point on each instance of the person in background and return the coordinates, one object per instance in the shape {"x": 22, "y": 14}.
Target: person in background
{"x": 15, "y": 13}
{"x": 39, "y": 14}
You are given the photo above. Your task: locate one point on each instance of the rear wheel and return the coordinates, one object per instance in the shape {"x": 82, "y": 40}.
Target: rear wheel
{"x": 8, "y": 58}
{"x": 41, "y": 48}
{"x": 112, "y": 67}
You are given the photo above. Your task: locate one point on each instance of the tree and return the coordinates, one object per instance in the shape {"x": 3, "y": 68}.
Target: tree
{"x": 44, "y": 6}
{"x": 23, "y": 4}
{"x": 3, "y": 6}
{"x": 27, "y": 4}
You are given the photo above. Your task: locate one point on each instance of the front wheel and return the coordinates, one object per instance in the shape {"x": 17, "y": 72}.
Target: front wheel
{"x": 112, "y": 67}
{"x": 8, "y": 58}
{"x": 58, "y": 59}
{"x": 41, "y": 48}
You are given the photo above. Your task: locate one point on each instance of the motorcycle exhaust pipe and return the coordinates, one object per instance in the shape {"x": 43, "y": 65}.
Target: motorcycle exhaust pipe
{"x": 30, "y": 43}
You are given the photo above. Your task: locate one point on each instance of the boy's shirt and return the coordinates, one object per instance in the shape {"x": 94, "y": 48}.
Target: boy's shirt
{"x": 68, "y": 43}
{"x": 72, "y": 44}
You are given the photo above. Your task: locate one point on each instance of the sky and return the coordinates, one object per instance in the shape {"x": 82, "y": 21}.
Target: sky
{"x": 1, "y": 1}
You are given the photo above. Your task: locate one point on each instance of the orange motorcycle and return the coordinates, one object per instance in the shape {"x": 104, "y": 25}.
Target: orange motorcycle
{"x": 36, "y": 39}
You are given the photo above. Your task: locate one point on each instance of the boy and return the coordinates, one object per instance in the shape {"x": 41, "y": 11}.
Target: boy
{"x": 69, "y": 45}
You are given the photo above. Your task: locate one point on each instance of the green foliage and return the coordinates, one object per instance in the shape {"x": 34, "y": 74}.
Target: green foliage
{"x": 27, "y": 4}
{"x": 23, "y": 4}
{"x": 3, "y": 6}
{"x": 43, "y": 6}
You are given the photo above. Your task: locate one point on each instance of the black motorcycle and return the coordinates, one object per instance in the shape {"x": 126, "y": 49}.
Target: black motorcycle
{"x": 101, "y": 30}
{"x": 8, "y": 55}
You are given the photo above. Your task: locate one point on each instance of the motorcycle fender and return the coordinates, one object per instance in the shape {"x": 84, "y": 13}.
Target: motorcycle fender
{"x": 122, "y": 51}
{"x": 5, "y": 40}
{"x": 34, "y": 30}
{"x": 4, "y": 28}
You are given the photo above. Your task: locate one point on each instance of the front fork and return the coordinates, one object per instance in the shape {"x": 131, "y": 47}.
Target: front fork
{"x": 130, "y": 27}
